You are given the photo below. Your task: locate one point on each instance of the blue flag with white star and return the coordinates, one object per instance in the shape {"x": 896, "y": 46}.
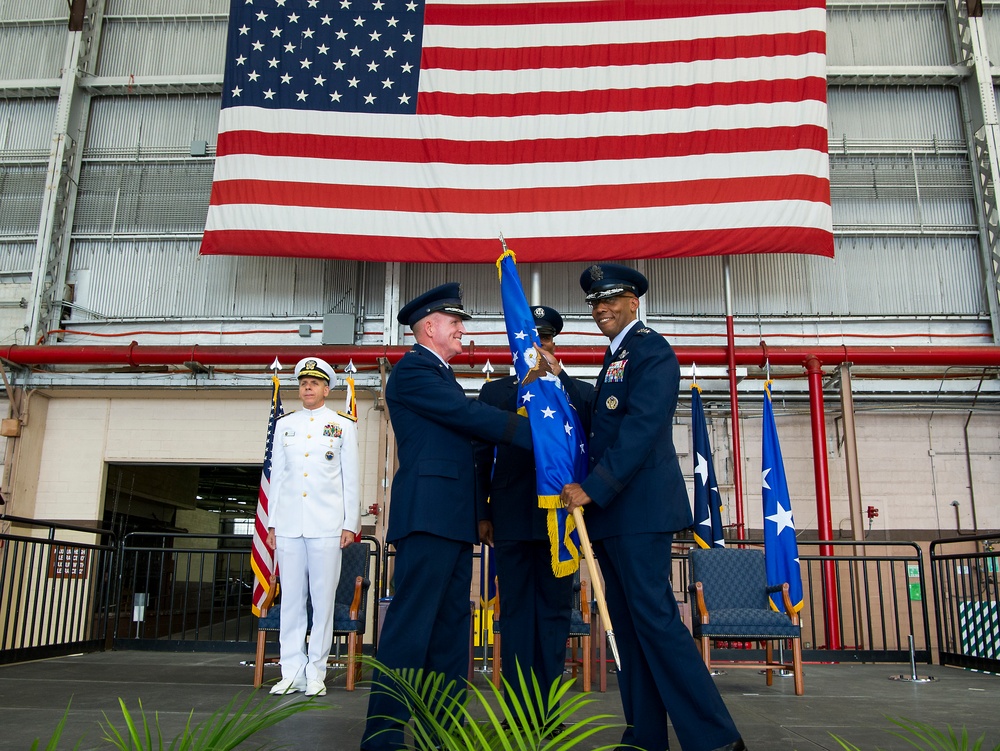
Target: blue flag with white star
{"x": 707, "y": 501}
{"x": 560, "y": 446}
{"x": 781, "y": 550}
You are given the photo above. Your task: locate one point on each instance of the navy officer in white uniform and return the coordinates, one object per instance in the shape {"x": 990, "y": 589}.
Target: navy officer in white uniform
{"x": 315, "y": 511}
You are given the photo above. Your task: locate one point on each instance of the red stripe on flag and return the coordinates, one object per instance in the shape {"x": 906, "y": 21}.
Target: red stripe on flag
{"x": 617, "y": 100}
{"x": 381, "y": 248}
{"x": 596, "y": 12}
{"x": 648, "y": 53}
{"x": 490, "y": 201}
{"x": 542, "y": 150}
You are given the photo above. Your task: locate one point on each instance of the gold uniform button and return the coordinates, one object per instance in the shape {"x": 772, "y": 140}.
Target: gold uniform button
{"x": 307, "y": 453}
{"x": 304, "y": 495}
{"x": 305, "y": 474}
{"x": 308, "y": 436}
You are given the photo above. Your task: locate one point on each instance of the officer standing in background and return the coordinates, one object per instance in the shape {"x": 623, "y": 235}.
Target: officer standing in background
{"x": 535, "y": 604}
{"x": 315, "y": 511}
{"x": 432, "y": 516}
{"x": 635, "y": 500}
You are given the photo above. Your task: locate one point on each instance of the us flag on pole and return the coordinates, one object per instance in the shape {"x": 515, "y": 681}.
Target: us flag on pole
{"x": 262, "y": 557}
{"x": 419, "y": 130}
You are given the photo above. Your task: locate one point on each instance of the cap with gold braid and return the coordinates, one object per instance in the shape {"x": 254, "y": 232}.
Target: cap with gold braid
{"x": 314, "y": 367}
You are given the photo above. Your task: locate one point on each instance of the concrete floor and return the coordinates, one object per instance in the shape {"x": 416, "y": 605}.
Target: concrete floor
{"x": 852, "y": 701}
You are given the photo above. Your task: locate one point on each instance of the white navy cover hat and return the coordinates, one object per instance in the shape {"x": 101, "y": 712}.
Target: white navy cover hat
{"x": 314, "y": 367}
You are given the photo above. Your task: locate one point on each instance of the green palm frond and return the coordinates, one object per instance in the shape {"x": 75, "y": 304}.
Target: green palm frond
{"x": 932, "y": 739}
{"x": 926, "y": 737}
{"x": 53, "y": 742}
{"x": 224, "y": 729}
{"x": 457, "y": 716}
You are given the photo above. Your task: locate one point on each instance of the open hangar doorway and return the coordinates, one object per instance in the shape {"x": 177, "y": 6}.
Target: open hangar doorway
{"x": 184, "y": 533}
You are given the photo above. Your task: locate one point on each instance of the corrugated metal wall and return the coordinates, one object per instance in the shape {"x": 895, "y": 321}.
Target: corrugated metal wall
{"x": 902, "y": 33}
{"x": 133, "y": 127}
{"x": 16, "y": 257}
{"x": 169, "y": 279}
{"x": 25, "y": 140}
{"x": 902, "y": 188}
{"x": 32, "y": 38}
{"x": 157, "y": 45}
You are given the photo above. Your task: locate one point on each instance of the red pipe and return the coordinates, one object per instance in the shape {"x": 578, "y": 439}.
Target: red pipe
{"x": 734, "y": 404}
{"x": 824, "y": 521}
{"x": 135, "y": 354}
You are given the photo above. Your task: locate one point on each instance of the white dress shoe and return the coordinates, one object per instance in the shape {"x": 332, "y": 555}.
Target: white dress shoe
{"x": 288, "y": 686}
{"x": 316, "y": 688}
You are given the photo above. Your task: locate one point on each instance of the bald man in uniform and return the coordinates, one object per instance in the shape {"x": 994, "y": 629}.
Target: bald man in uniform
{"x": 432, "y": 514}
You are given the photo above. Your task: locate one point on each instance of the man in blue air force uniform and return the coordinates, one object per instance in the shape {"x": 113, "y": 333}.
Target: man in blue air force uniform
{"x": 432, "y": 517}
{"x": 314, "y": 512}
{"x": 635, "y": 499}
{"x": 535, "y": 604}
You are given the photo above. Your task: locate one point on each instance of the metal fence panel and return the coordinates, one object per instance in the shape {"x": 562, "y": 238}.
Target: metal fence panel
{"x": 54, "y": 591}
{"x": 965, "y": 572}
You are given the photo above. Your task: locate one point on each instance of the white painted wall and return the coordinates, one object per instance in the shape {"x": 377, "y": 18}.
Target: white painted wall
{"x": 83, "y": 433}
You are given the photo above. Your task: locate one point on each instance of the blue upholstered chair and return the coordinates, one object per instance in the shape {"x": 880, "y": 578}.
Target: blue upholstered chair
{"x": 732, "y": 601}
{"x": 350, "y": 612}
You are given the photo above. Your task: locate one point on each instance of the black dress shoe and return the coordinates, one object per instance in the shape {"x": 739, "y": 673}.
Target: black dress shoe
{"x": 561, "y": 727}
{"x": 737, "y": 745}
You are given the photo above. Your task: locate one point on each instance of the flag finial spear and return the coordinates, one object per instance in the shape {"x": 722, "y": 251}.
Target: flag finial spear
{"x": 275, "y": 366}
{"x": 351, "y": 367}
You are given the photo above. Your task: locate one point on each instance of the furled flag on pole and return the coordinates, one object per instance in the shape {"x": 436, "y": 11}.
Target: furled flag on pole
{"x": 559, "y": 444}
{"x": 262, "y": 557}
{"x": 351, "y": 398}
{"x": 707, "y": 501}
{"x": 781, "y": 550}
{"x": 410, "y": 130}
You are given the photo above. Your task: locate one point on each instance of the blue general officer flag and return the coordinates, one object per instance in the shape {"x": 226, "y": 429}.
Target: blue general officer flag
{"x": 707, "y": 501}
{"x": 781, "y": 551}
{"x": 560, "y": 446}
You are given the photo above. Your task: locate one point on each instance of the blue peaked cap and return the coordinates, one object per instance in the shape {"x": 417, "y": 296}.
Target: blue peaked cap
{"x": 547, "y": 318}
{"x": 604, "y": 280}
{"x": 446, "y": 298}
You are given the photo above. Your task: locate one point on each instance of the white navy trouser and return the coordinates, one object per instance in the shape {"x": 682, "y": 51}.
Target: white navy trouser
{"x": 307, "y": 565}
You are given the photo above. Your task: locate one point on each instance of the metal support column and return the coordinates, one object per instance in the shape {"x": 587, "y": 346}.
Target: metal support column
{"x": 52, "y": 244}
{"x": 734, "y": 401}
{"x": 979, "y": 100}
{"x": 821, "y": 468}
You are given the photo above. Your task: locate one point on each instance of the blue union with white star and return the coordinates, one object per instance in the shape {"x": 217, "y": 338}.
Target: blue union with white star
{"x": 781, "y": 550}
{"x": 559, "y": 443}
{"x": 325, "y": 55}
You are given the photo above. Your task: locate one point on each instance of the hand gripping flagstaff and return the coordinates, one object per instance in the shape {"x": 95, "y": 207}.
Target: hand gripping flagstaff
{"x": 595, "y": 581}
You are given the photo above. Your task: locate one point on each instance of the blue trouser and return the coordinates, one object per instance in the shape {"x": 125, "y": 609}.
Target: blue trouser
{"x": 662, "y": 672}
{"x": 426, "y": 626}
{"x": 535, "y": 609}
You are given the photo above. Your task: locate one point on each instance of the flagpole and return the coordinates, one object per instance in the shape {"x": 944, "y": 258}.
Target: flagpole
{"x": 734, "y": 401}
{"x": 595, "y": 582}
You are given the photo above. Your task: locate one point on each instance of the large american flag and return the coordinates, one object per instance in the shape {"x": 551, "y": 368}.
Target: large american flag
{"x": 418, "y": 130}
{"x": 261, "y": 556}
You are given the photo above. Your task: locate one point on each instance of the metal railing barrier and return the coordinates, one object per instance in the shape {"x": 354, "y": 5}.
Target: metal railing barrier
{"x": 55, "y": 590}
{"x": 965, "y": 573}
